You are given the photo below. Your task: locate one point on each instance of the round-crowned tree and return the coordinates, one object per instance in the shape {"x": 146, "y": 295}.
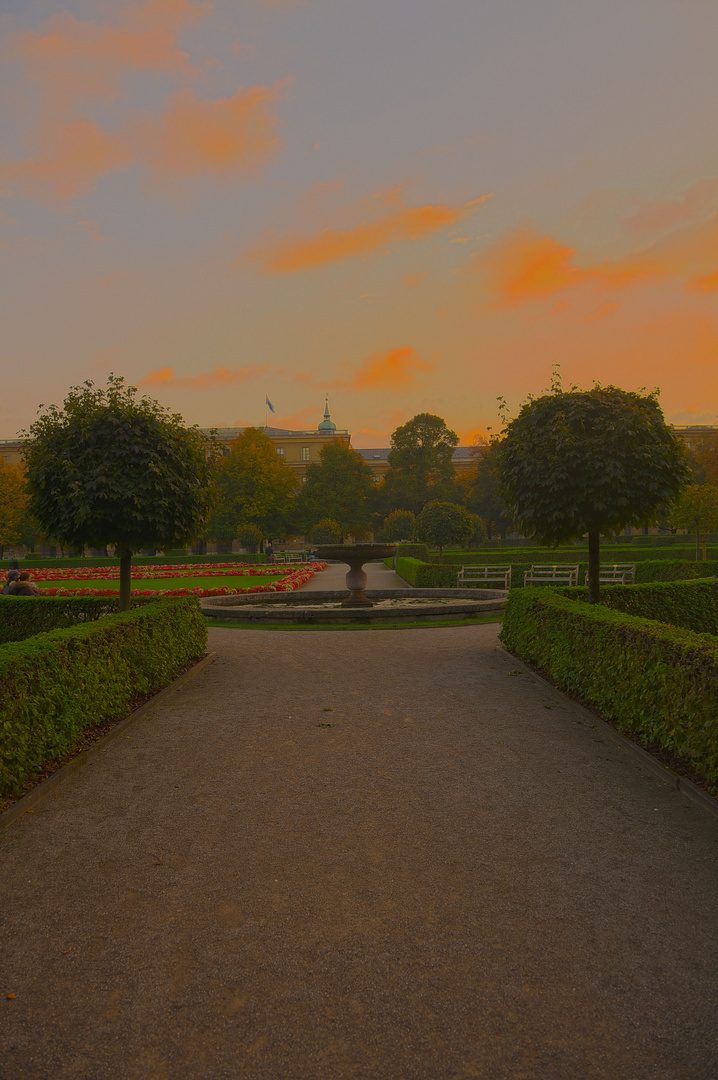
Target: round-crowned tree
{"x": 696, "y": 509}
{"x": 327, "y": 531}
{"x": 589, "y": 461}
{"x": 442, "y": 523}
{"x": 399, "y": 525}
{"x": 109, "y": 468}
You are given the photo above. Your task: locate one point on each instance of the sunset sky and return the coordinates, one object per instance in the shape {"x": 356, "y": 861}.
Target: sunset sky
{"x": 408, "y": 205}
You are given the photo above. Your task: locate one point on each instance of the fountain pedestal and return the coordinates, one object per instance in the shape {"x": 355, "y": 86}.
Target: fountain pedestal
{"x": 356, "y": 555}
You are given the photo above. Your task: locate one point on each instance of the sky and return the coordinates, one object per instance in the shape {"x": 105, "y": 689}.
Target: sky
{"x": 404, "y": 205}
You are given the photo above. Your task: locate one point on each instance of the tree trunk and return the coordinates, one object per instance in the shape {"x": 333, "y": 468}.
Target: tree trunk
{"x": 594, "y": 565}
{"x": 125, "y": 579}
{"x": 440, "y": 553}
{"x": 698, "y": 545}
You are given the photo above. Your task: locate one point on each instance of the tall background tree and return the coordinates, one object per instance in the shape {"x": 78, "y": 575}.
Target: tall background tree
{"x": 109, "y": 468}
{"x": 442, "y": 523}
{"x": 339, "y": 486}
{"x": 14, "y": 497}
{"x": 481, "y": 489}
{"x": 420, "y": 465}
{"x": 590, "y": 461}
{"x": 696, "y": 510}
{"x": 253, "y": 485}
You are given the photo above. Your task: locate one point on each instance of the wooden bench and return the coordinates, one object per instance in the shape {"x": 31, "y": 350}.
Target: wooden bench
{"x": 618, "y": 573}
{"x": 481, "y": 575}
{"x": 560, "y": 574}
{"x": 289, "y": 557}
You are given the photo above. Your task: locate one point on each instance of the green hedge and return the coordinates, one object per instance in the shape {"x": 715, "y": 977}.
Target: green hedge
{"x": 54, "y": 686}
{"x": 413, "y": 551}
{"x": 22, "y": 616}
{"x": 424, "y": 575}
{"x": 35, "y": 561}
{"x": 527, "y": 556}
{"x": 652, "y": 679}
{"x": 692, "y": 605}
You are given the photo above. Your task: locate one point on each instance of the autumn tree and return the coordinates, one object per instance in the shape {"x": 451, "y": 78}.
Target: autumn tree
{"x": 326, "y": 531}
{"x": 14, "y": 497}
{"x": 420, "y": 464}
{"x": 109, "y": 468}
{"x": 399, "y": 525}
{"x": 442, "y": 523}
{"x": 339, "y": 486}
{"x": 482, "y": 489}
{"x": 589, "y": 461}
{"x": 706, "y": 459}
{"x": 697, "y": 511}
{"x": 253, "y": 485}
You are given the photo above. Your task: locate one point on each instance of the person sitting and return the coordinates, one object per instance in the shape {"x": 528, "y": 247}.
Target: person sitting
{"x": 23, "y": 586}
{"x": 12, "y": 576}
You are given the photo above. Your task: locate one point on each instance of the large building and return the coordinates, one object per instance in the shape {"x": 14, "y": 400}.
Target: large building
{"x": 301, "y": 448}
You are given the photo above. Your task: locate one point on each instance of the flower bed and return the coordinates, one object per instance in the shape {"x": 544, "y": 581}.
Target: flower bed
{"x": 112, "y": 573}
{"x": 288, "y": 583}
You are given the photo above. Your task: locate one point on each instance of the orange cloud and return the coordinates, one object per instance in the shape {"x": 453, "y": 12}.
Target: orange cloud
{"x": 705, "y": 283}
{"x": 605, "y": 309}
{"x": 528, "y": 266}
{"x": 658, "y": 216}
{"x": 76, "y": 59}
{"x": 395, "y": 370}
{"x": 73, "y": 157}
{"x": 412, "y": 280}
{"x": 165, "y": 378}
{"x": 221, "y": 137}
{"x": 300, "y": 251}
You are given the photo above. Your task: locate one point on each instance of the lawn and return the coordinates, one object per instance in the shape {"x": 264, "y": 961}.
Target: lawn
{"x": 194, "y": 582}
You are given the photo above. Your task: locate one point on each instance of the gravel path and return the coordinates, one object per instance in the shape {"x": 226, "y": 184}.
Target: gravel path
{"x": 449, "y": 874}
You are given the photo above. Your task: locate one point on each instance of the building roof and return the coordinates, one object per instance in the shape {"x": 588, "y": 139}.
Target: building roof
{"x": 381, "y": 453}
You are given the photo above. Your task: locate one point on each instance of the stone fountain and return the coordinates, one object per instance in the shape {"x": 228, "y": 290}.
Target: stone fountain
{"x": 356, "y": 555}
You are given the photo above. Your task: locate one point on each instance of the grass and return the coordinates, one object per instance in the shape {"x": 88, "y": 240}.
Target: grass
{"x": 214, "y": 582}
{"x": 389, "y": 624}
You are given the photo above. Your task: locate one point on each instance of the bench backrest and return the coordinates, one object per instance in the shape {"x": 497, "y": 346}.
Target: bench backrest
{"x": 561, "y": 573}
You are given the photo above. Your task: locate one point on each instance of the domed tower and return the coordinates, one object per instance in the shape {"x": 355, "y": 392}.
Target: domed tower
{"x": 327, "y": 425}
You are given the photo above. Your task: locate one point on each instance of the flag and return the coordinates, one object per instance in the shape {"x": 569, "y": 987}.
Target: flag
{"x": 269, "y": 404}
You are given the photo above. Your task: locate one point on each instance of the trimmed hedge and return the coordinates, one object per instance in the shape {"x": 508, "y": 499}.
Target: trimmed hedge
{"x": 424, "y": 575}
{"x": 23, "y": 616}
{"x": 35, "y": 561}
{"x": 434, "y": 576}
{"x": 692, "y": 605}
{"x": 652, "y": 679}
{"x": 413, "y": 551}
{"x": 56, "y": 685}
{"x": 526, "y": 556}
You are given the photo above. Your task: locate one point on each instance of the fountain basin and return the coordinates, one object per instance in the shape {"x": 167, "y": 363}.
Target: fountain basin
{"x": 428, "y": 605}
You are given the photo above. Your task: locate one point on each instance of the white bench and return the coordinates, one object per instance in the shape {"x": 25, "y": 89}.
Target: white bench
{"x": 560, "y": 574}
{"x": 289, "y": 557}
{"x": 621, "y": 573}
{"x": 481, "y": 575}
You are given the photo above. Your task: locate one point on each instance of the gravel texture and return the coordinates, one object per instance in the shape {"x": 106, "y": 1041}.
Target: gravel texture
{"x": 378, "y": 854}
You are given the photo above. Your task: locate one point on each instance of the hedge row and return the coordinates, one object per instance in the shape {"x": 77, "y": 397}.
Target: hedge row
{"x": 526, "y": 556}
{"x": 431, "y": 575}
{"x": 56, "y": 685}
{"x": 21, "y": 616}
{"x": 649, "y": 678}
{"x": 692, "y": 605}
{"x": 31, "y": 562}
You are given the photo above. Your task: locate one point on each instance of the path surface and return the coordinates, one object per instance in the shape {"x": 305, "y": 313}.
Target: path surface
{"x": 458, "y": 878}
{"x": 378, "y": 575}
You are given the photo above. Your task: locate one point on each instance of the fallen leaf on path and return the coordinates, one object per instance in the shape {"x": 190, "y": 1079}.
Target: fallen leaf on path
{"x": 11, "y": 997}
{"x": 66, "y": 951}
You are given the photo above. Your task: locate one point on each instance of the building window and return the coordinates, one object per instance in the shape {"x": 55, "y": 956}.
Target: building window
{"x": 225, "y": 451}
{"x": 305, "y": 453}
{"x": 280, "y": 451}
{"x": 304, "y": 479}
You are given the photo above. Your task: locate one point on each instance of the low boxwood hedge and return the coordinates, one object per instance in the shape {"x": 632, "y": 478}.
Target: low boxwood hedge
{"x": 23, "y": 616}
{"x": 55, "y": 685}
{"x": 692, "y": 605}
{"x": 658, "y": 681}
{"x": 527, "y": 556}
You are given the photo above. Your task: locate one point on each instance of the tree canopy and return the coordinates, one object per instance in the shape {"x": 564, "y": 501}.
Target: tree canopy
{"x": 442, "y": 523}
{"x": 339, "y": 486}
{"x": 589, "y": 461}
{"x": 14, "y": 498}
{"x": 109, "y": 468}
{"x": 483, "y": 489}
{"x": 696, "y": 509}
{"x": 420, "y": 464}
{"x": 253, "y": 485}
